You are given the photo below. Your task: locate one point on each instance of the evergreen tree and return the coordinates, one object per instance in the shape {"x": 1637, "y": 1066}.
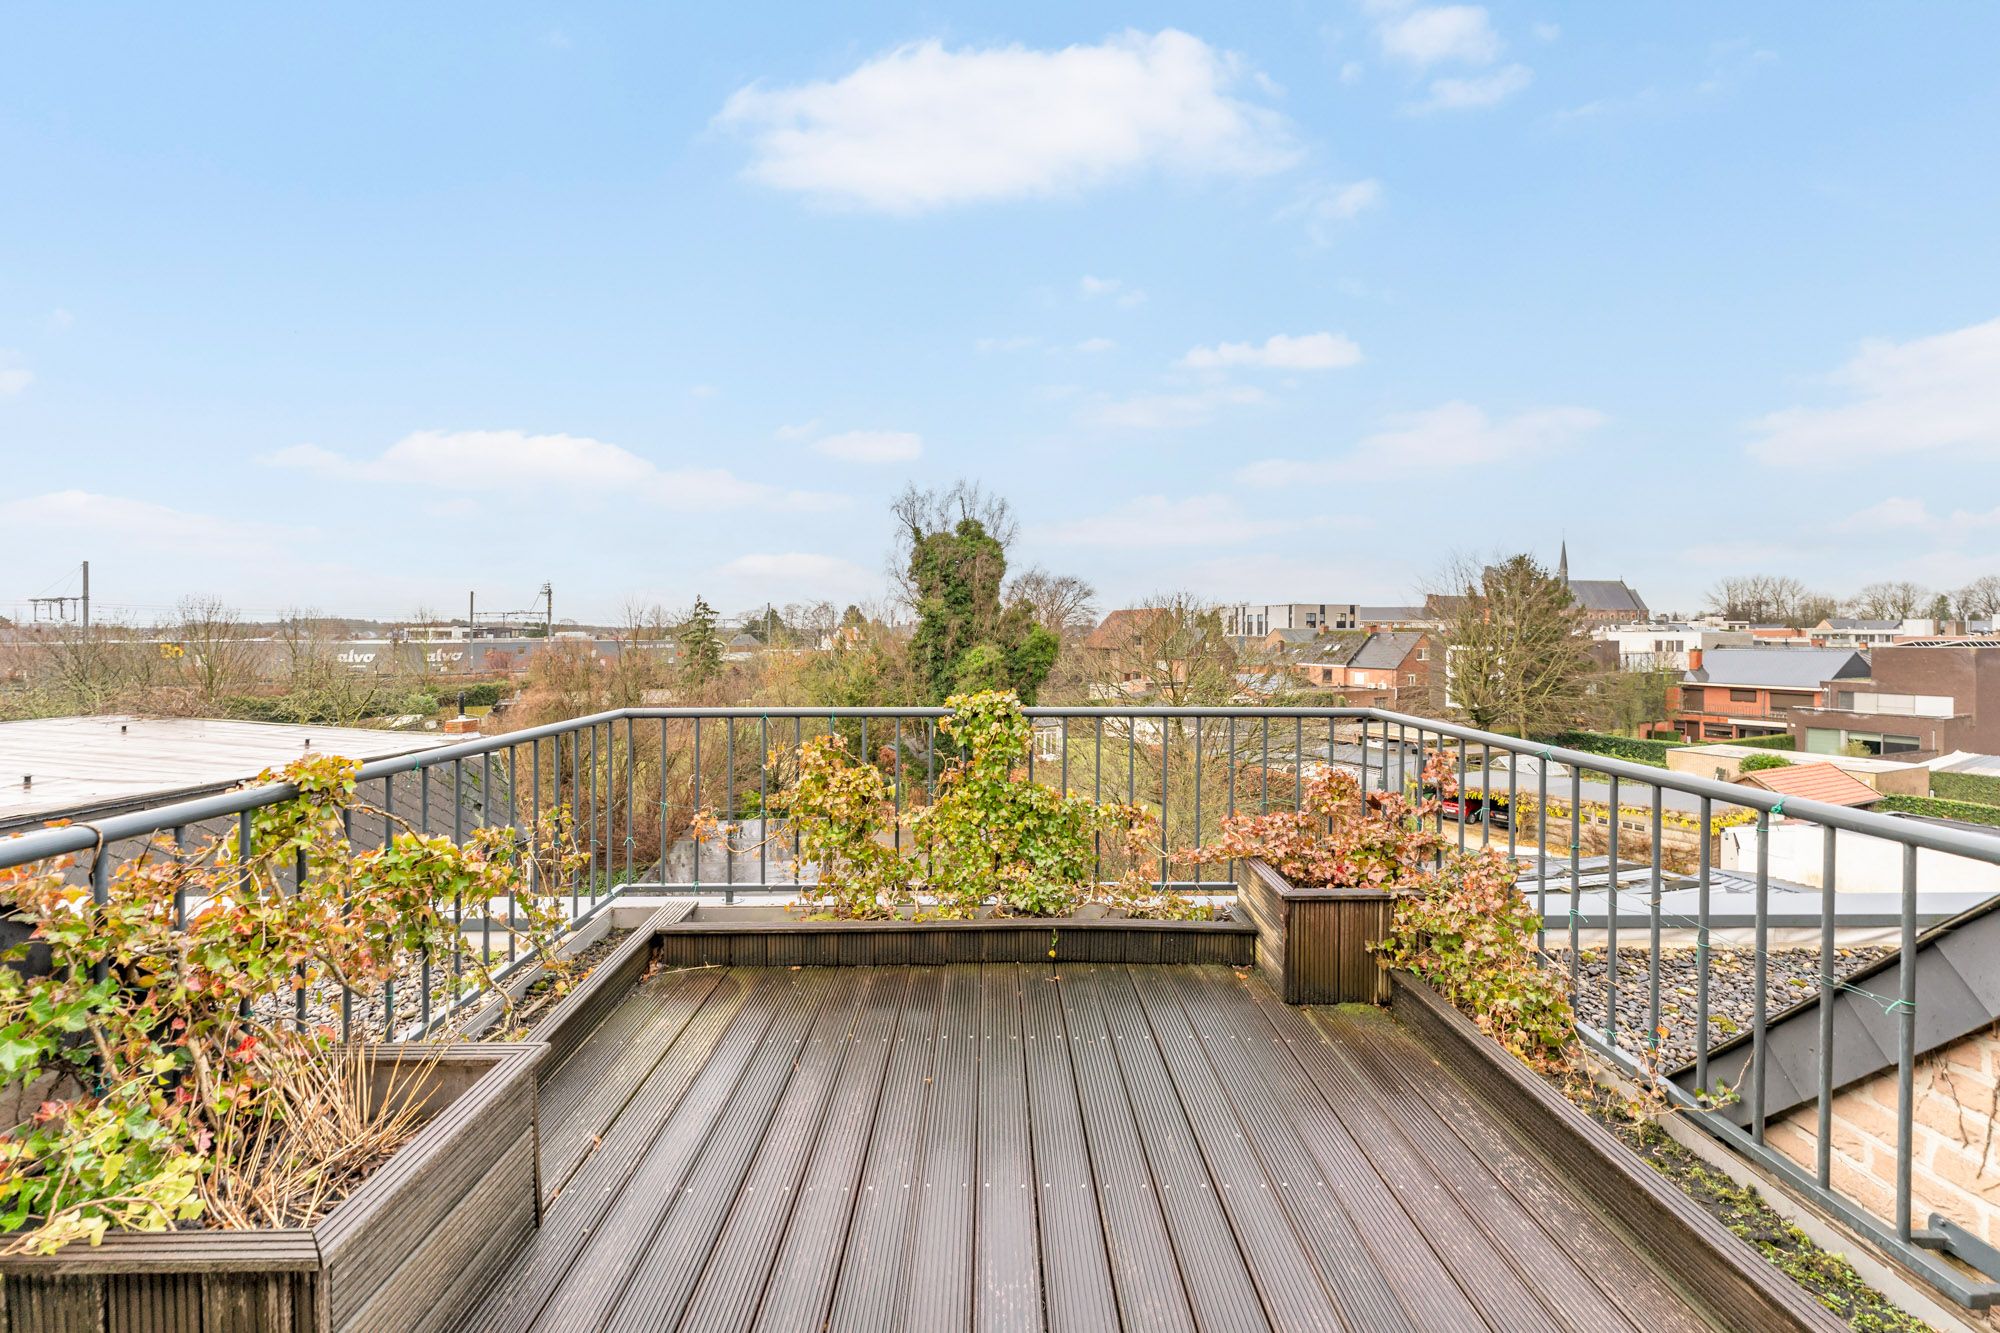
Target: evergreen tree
{"x": 701, "y": 646}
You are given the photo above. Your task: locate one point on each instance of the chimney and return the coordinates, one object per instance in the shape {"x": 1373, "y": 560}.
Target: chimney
{"x": 1694, "y": 659}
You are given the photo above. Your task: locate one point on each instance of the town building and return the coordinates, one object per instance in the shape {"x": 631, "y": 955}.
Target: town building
{"x": 1731, "y": 693}
{"x": 1927, "y": 697}
{"x": 1666, "y": 647}
{"x": 1252, "y": 621}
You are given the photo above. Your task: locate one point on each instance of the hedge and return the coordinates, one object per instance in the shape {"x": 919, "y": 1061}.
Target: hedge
{"x": 1781, "y": 741}
{"x": 1757, "y": 763}
{"x": 1973, "y": 787}
{"x": 1617, "y": 747}
{"x": 1968, "y": 812}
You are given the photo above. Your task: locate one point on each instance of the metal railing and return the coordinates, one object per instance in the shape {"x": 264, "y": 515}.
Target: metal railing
{"x": 635, "y": 778}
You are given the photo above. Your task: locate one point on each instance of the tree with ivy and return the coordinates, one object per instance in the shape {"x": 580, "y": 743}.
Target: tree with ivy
{"x": 968, "y": 639}
{"x": 701, "y": 646}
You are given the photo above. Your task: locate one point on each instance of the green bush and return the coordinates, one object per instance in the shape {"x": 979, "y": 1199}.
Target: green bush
{"x": 1616, "y": 747}
{"x": 1972, "y": 787}
{"x": 484, "y": 695}
{"x": 1758, "y": 762}
{"x": 1964, "y": 811}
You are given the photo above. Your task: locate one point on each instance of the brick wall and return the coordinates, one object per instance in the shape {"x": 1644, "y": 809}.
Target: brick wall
{"x": 1955, "y": 1157}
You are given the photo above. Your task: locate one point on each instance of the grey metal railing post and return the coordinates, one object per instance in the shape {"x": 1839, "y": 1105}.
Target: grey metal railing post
{"x": 1707, "y": 832}
{"x": 1611, "y": 924}
{"x": 1760, "y": 980}
{"x": 1823, "y": 1148}
{"x": 1653, "y": 907}
{"x": 1906, "y": 1045}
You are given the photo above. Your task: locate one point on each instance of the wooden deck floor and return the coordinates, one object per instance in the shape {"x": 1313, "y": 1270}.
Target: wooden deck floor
{"x": 1027, "y": 1147}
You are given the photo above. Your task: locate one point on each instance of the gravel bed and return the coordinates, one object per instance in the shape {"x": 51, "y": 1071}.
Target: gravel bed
{"x": 1791, "y": 975}
{"x": 366, "y": 1016}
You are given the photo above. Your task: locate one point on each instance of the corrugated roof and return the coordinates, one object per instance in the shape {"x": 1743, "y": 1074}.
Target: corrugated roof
{"x": 1776, "y": 668}
{"x": 1814, "y": 782}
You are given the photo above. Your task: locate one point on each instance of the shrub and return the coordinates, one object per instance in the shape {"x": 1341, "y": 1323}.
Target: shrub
{"x": 1470, "y": 934}
{"x": 485, "y": 694}
{"x": 1757, "y": 763}
{"x": 1330, "y": 841}
{"x": 164, "y": 1050}
{"x": 1781, "y": 741}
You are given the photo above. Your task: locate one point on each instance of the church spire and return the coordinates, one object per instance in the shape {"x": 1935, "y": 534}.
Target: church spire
{"x": 1562, "y": 563}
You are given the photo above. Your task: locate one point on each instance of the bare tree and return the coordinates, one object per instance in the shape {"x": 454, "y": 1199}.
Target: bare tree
{"x": 1769, "y": 599}
{"x": 1171, "y": 651}
{"x": 1892, "y": 600}
{"x": 1979, "y": 599}
{"x": 216, "y": 657}
{"x": 1063, "y": 603}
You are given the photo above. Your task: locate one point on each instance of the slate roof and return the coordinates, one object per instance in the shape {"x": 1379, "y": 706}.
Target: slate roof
{"x": 1776, "y": 668}
{"x": 1848, "y": 622}
{"x": 1385, "y": 651}
{"x": 1814, "y": 782}
{"x": 1607, "y": 596}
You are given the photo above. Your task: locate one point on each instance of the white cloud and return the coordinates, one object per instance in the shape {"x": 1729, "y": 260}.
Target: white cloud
{"x": 797, "y": 575}
{"x": 1167, "y": 411}
{"x": 1940, "y": 392}
{"x": 1281, "y": 351}
{"x": 61, "y": 319}
{"x": 871, "y": 446}
{"x": 805, "y": 430}
{"x": 703, "y": 391}
{"x": 1902, "y": 514}
{"x": 13, "y": 378}
{"x": 539, "y": 466}
{"x": 1094, "y": 345}
{"x": 142, "y": 525}
{"x": 922, "y": 127}
{"x": 1327, "y": 205}
{"x": 1154, "y": 520}
{"x": 1453, "y": 435}
{"x": 1461, "y": 34}
{"x": 1548, "y": 32}
{"x": 1113, "y": 289}
{"x": 1475, "y": 91}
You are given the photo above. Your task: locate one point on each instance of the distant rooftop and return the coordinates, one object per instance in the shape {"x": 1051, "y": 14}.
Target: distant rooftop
{"x": 1776, "y": 668}
{"x": 1814, "y": 782}
{"x": 72, "y": 766}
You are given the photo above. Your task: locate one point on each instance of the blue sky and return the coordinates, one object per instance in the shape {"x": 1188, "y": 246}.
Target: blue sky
{"x": 357, "y": 309}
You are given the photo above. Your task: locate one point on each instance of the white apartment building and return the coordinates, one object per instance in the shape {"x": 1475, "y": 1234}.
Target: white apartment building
{"x": 1250, "y": 621}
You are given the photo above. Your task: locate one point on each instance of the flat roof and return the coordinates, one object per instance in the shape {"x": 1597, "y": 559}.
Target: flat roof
{"x": 67, "y": 766}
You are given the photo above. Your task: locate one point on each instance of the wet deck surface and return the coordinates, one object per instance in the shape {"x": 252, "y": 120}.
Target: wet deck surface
{"x": 1029, "y": 1147}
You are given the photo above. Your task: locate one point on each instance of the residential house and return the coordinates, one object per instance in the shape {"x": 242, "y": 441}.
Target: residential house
{"x": 1384, "y": 670}
{"x": 1248, "y": 621}
{"x": 1917, "y": 699}
{"x": 1726, "y": 694}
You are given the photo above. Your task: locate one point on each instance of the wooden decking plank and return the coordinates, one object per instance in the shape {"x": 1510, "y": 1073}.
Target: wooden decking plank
{"x": 1401, "y": 1252}
{"x": 1212, "y": 1264}
{"x": 1625, "y": 1277}
{"x": 585, "y": 1096}
{"x": 770, "y": 1111}
{"x": 570, "y": 1219}
{"x": 1075, "y": 1268}
{"x": 805, "y": 1261}
{"x": 868, "y": 1293}
{"x": 1287, "y": 1280}
{"x": 1338, "y": 1250}
{"x": 1501, "y": 1298}
{"x": 746, "y": 1069}
{"x": 1562, "y": 1285}
{"x": 941, "y": 1237}
{"x": 1147, "y": 1276}
{"x": 1007, "y": 1289}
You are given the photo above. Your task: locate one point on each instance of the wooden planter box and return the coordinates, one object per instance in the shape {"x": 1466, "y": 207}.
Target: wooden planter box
{"x": 1317, "y": 944}
{"x": 423, "y": 1236}
{"x": 758, "y": 937}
